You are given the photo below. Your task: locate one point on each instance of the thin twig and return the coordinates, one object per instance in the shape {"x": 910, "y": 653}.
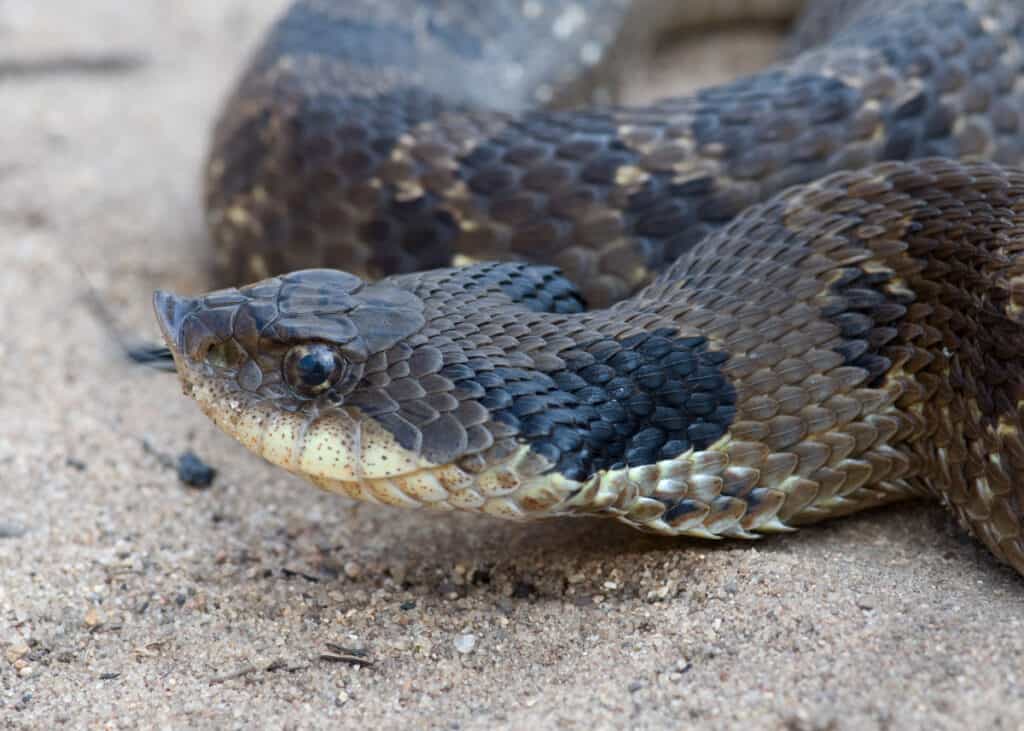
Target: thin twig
{"x": 72, "y": 63}
{"x": 350, "y": 655}
{"x": 150, "y": 355}
{"x": 274, "y": 665}
{"x": 241, "y": 672}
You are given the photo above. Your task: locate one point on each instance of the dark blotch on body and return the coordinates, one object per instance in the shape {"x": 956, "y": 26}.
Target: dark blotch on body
{"x": 617, "y": 403}
{"x": 867, "y": 314}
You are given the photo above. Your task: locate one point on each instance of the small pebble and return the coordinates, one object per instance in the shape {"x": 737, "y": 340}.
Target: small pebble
{"x": 193, "y": 471}
{"x": 93, "y": 618}
{"x": 397, "y": 572}
{"x": 465, "y": 643}
{"x": 75, "y": 464}
{"x": 660, "y": 594}
{"x": 18, "y": 649}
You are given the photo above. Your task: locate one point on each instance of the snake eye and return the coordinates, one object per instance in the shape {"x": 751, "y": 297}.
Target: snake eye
{"x": 312, "y": 369}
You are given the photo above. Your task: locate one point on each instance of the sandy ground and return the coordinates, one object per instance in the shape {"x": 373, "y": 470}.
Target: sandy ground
{"x": 130, "y": 600}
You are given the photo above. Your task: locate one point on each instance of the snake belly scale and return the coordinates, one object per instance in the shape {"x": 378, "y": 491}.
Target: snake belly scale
{"x": 787, "y": 298}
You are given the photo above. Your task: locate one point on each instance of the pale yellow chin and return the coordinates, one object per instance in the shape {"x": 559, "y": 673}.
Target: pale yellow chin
{"x": 344, "y": 452}
{"x": 336, "y": 445}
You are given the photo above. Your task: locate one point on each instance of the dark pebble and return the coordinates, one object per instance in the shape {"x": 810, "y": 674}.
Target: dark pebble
{"x": 523, "y": 590}
{"x": 481, "y": 576}
{"x": 193, "y": 471}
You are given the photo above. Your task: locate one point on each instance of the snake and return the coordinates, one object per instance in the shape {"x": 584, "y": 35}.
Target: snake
{"x": 457, "y": 273}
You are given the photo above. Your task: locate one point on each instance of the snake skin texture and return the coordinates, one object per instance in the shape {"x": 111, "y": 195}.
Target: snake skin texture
{"x": 791, "y": 297}
{"x": 353, "y": 142}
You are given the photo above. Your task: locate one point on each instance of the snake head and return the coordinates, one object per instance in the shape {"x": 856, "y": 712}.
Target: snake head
{"x": 309, "y": 330}
{"x": 275, "y": 363}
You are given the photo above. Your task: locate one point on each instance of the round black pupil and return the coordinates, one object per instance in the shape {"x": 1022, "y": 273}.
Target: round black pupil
{"x": 315, "y": 367}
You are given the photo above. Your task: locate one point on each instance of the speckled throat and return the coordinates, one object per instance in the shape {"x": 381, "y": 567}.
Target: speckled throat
{"x": 713, "y": 353}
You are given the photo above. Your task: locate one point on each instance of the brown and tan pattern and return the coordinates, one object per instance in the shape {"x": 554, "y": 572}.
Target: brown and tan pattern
{"x": 386, "y": 137}
{"x": 804, "y": 352}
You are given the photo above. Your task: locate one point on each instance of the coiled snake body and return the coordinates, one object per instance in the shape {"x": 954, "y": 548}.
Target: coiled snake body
{"x": 688, "y": 342}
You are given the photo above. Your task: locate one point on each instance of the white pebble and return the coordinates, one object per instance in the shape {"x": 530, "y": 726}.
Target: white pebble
{"x": 465, "y": 643}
